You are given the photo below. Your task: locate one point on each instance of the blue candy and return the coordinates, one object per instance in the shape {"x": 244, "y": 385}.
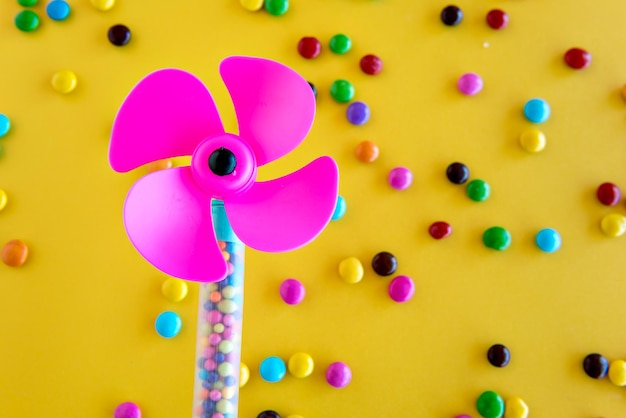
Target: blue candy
{"x": 168, "y": 324}
{"x": 273, "y": 369}
{"x": 537, "y": 110}
{"x": 548, "y": 240}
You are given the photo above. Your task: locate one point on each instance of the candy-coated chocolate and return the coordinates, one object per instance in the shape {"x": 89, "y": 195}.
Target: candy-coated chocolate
{"x": 497, "y": 19}
{"x": 577, "y": 58}
{"x": 292, "y": 291}
{"x": 103, "y": 5}
{"x": 478, "y": 190}
{"x": 596, "y": 365}
{"x": 490, "y": 405}
{"x": 367, "y": 151}
{"x": 309, "y": 47}
{"x": 515, "y": 407}
{"x": 252, "y": 5}
{"x": 168, "y": 324}
{"x": 272, "y": 369}
{"x": 27, "y": 21}
{"x": 548, "y": 240}
{"x": 532, "y": 140}
{"x": 457, "y": 173}
{"x": 401, "y": 289}
{"x": 174, "y": 289}
{"x": 340, "y": 44}
{"x": 451, "y": 15}
{"x": 470, "y": 84}
{"x": 127, "y": 410}
{"x": 358, "y": 113}
{"x": 400, "y": 178}
{"x": 64, "y": 81}
{"x": 119, "y": 35}
{"x": 371, "y": 64}
{"x": 338, "y": 375}
{"x": 14, "y": 253}
{"x": 497, "y": 238}
{"x": 537, "y": 110}
{"x": 384, "y": 264}
{"x": 351, "y": 270}
{"x": 609, "y": 194}
{"x": 613, "y": 225}
{"x": 342, "y": 91}
{"x": 498, "y": 355}
{"x": 301, "y": 365}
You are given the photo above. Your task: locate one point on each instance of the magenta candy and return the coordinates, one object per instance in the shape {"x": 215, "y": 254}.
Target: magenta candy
{"x": 400, "y": 178}
{"x": 470, "y": 84}
{"x": 401, "y": 288}
{"x": 463, "y": 416}
{"x": 292, "y": 291}
{"x": 338, "y": 375}
{"x": 127, "y": 410}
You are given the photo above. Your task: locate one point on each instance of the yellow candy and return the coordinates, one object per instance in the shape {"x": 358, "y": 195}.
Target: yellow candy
{"x": 351, "y": 270}
{"x": 515, "y": 408}
{"x": 252, "y": 5}
{"x": 533, "y": 140}
{"x": 300, "y": 365}
{"x": 3, "y": 199}
{"x": 617, "y": 372}
{"x": 244, "y": 375}
{"x": 103, "y": 5}
{"x": 613, "y": 225}
{"x": 224, "y": 406}
{"x": 174, "y": 289}
{"x": 64, "y": 81}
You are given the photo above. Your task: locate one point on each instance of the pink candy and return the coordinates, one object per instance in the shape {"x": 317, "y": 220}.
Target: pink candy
{"x": 470, "y": 84}
{"x": 292, "y": 291}
{"x": 401, "y": 288}
{"x": 338, "y": 375}
{"x": 127, "y": 410}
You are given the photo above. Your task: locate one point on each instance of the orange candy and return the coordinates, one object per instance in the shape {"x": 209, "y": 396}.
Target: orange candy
{"x": 367, "y": 151}
{"x": 624, "y": 92}
{"x": 14, "y": 253}
{"x": 215, "y": 297}
{"x": 159, "y": 165}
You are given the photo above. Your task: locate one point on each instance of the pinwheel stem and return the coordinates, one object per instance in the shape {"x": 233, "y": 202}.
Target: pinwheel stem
{"x": 216, "y": 388}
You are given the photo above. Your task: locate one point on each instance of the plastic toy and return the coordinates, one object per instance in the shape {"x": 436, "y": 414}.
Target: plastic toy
{"x": 191, "y": 222}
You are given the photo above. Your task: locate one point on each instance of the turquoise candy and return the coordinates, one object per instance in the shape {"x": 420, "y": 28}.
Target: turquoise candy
{"x": 490, "y": 405}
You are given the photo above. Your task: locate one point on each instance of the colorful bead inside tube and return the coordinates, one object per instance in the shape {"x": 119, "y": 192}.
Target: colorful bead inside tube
{"x": 219, "y": 339}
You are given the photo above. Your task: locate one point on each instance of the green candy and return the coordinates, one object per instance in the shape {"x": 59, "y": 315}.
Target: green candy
{"x": 27, "y": 3}
{"x": 478, "y": 190}
{"x": 342, "y": 91}
{"x": 340, "y": 44}
{"x": 490, "y": 405}
{"x": 497, "y": 238}
{"x": 277, "y": 7}
{"x": 27, "y": 20}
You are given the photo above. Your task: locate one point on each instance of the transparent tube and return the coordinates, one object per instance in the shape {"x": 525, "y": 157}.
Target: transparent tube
{"x": 218, "y": 352}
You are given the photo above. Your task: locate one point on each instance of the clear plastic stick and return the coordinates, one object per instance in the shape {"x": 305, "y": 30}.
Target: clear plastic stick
{"x": 218, "y": 352}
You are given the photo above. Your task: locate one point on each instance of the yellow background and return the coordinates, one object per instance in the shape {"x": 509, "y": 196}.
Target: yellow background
{"x": 77, "y": 319}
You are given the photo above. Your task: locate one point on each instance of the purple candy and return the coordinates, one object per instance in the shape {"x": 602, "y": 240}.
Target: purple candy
{"x": 338, "y": 375}
{"x": 358, "y": 113}
{"x": 470, "y": 84}
{"x": 401, "y": 288}
{"x": 292, "y": 291}
{"x": 400, "y": 178}
{"x": 127, "y": 410}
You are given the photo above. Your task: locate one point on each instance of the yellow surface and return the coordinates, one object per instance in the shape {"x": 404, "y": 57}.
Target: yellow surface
{"x": 77, "y": 318}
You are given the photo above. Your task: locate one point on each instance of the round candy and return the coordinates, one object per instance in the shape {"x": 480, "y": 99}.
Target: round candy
{"x": 119, "y": 35}
{"x": 64, "y": 81}
{"x": 268, "y": 414}
{"x": 3, "y": 199}
{"x": 490, "y": 405}
{"x": 451, "y": 16}
{"x": 301, "y": 365}
{"x": 609, "y": 194}
{"x": 313, "y": 89}
{"x": 439, "y": 230}
{"x": 358, "y": 113}
{"x": 384, "y": 264}
{"x": 577, "y": 58}
{"x": 596, "y": 365}
{"x": 497, "y": 238}
{"x": 5, "y": 124}
{"x": 340, "y": 209}
{"x": 252, "y": 5}
{"x": 292, "y": 291}
{"x": 613, "y": 225}
{"x": 342, "y": 91}
{"x": 351, "y": 270}
{"x": 338, "y": 375}
{"x": 174, "y": 289}
{"x": 58, "y": 10}
{"x": 277, "y": 7}
{"x": 470, "y": 84}
{"x": 497, "y": 19}
{"x": 14, "y": 253}
{"x": 340, "y": 44}
{"x": 27, "y": 3}
{"x": 478, "y": 190}
{"x": 617, "y": 372}
{"x": 272, "y": 369}
{"x": 127, "y": 410}
{"x": 463, "y": 416}
{"x": 537, "y": 110}
{"x": 367, "y": 151}
{"x": 400, "y": 178}
{"x": 103, "y": 5}
{"x": 548, "y": 240}
{"x": 498, "y": 355}
{"x": 371, "y": 64}
{"x": 244, "y": 375}
{"x": 159, "y": 165}
{"x": 515, "y": 407}
{"x": 532, "y": 140}
{"x": 27, "y": 20}
{"x": 168, "y": 324}
{"x": 457, "y": 173}
{"x": 309, "y": 47}
{"x": 225, "y": 407}
{"x": 401, "y": 289}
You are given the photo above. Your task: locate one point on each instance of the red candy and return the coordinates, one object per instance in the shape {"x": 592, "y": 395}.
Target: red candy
{"x": 309, "y": 47}
{"x": 371, "y": 64}
{"x": 609, "y": 194}
{"x": 439, "y": 230}
{"x": 497, "y": 19}
{"x": 577, "y": 58}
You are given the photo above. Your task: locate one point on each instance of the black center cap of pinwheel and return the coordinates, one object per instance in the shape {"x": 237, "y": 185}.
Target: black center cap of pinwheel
{"x": 222, "y": 162}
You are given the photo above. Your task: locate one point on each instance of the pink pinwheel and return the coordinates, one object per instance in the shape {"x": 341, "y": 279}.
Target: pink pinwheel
{"x": 167, "y": 214}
